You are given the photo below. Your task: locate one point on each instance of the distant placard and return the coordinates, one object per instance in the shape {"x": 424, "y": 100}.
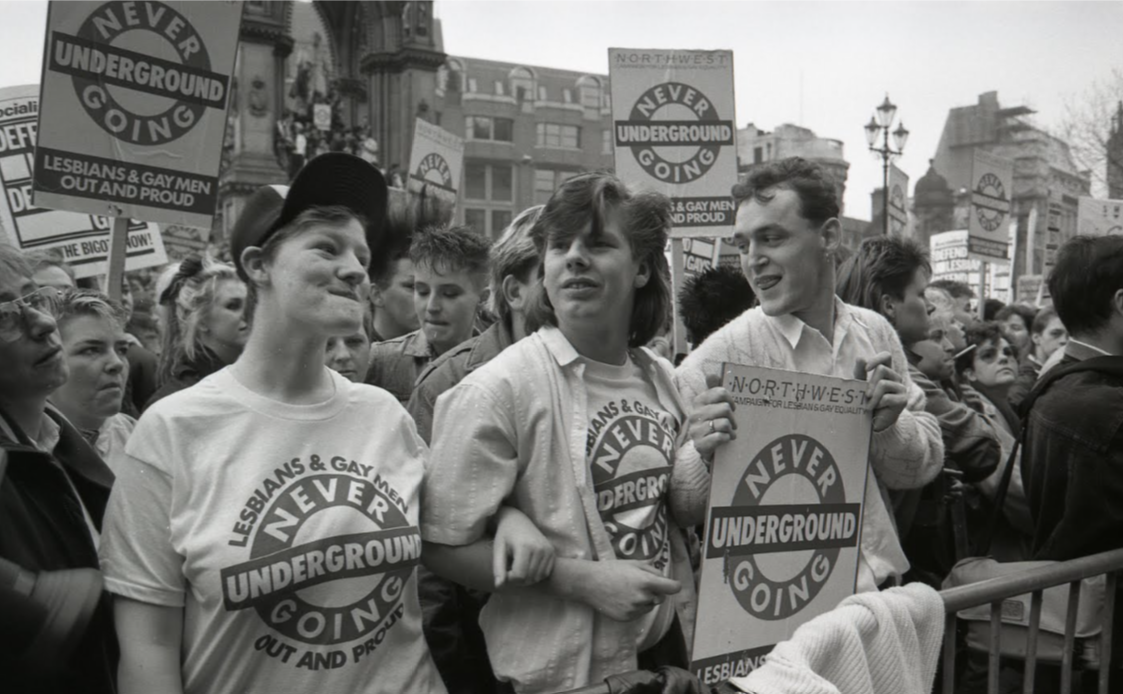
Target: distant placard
{"x": 435, "y": 161}
{"x": 134, "y": 108}
{"x": 321, "y": 116}
{"x": 992, "y": 184}
{"x": 181, "y": 241}
{"x": 898, "y": 201}
{"x": 81, "y": 239}
{"x": 951, "y": 259}
{"x": 785, "y": 515}
{"x": 1100, "y": 217}
{"x": 1032, "y": 290}
{"x": 674, "y": 131}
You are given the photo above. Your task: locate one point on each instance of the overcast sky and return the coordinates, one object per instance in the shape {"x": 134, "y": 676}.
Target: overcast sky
{"x": 928, "y": 56}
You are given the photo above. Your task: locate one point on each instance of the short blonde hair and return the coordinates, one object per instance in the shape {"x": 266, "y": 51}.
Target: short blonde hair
{"x": 183, "y": 304}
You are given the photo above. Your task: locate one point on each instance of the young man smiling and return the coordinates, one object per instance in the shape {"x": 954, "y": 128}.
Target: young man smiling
{"x": 450, "y": 279}
{"x": 787, "y": 231}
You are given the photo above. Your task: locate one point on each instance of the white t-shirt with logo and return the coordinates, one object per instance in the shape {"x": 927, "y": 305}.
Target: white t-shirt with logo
{"x": 630, "y": 449}
{"x": 288, "y": 533}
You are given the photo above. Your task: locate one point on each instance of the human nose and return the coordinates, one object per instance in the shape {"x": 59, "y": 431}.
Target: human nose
{"x": 352, "y": 270}
{"x": 576, "y": 254}
{"x": 40, "y": 324}
{"x": 948, "y": 347}
{"x": 337, "y": 353}
{"x": 755, "y": 258}
{"x": 116, "y": 363}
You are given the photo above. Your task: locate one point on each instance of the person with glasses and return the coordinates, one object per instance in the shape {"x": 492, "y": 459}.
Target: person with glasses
{"x": 56, "y": 631}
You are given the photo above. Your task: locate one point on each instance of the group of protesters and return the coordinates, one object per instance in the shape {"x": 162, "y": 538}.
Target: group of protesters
{"x": 515, "y": 505}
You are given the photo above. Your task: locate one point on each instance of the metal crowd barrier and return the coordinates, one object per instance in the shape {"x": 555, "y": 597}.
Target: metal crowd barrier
{"x": 1034, "y": 581}
{"x": 994, "y": 592}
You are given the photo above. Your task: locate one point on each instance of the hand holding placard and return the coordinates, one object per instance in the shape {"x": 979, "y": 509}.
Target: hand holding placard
{"x": 887, "y": 393}
{"x": 711, "y": 423}
{"x": 626, "y": 590}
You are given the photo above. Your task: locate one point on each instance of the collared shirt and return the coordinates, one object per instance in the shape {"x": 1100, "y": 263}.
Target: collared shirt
{"x": 1082, "y": 350}
{"x": 515, "y": 432}
{"x": 907, "y": 455}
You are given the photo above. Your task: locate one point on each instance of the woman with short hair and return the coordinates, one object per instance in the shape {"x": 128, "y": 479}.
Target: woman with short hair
{"x": 553, "y": 427}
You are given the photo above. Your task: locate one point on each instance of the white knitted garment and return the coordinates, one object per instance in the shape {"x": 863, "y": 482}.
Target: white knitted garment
{"x": 872, "y": 643}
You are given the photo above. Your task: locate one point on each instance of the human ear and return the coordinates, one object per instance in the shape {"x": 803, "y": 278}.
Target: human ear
{"x": 376, "y": 298}
{"x": 254, "y": 263}
{"x": 832, "y": 235}
{"x": 888, "y": 307}
{"x": 643, "y": 275}
{"x": 513, "y": 292}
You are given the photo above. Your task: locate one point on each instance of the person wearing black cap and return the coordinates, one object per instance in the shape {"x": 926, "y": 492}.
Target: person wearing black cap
{"x": 264, "y": 534}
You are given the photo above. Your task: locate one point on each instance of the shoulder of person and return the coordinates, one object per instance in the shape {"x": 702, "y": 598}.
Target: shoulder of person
{"x": 448, "y": 368}
{"x": 393, "y": 346}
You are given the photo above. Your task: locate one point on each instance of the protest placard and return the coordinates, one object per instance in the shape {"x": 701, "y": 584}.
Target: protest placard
{"x": 1099, "y": 217}
{"x": 992, "y": 185}
{"x": 134, "y": 100}
{"x": 951, "y": 259}
{"x": 785, "y": 515}
{"x": 435, "y": 161}
{"x": 674, "y": 129}
{"x": 321, "y": 117}
{"x": 181, "y": 241}
{"x": 898, "y": 201}
{"x": 1032, "y": 290}
{"x": 82, "y": 240}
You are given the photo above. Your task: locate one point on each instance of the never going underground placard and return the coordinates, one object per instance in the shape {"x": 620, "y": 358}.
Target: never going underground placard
{"x": 785, "y": 516}
{"x": 134, "y": 99}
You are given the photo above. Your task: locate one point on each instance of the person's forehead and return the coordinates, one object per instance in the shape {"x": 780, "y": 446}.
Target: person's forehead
{"x": 91, "y": 328}
{"x": 782, "y": 208}
{"x": 53, "y": 276}
{"x": 229, "y": 288}
{"x": 443, "y": 276}
{"x": 15, "y": 286}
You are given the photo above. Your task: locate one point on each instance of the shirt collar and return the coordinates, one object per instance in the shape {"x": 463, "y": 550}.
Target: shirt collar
{"x": 559, "y": 347}
{"x": 1082, "y": 350}
{"x": 792, "y": 328}
{"x": 49, "y": 434}
{"x": 417, "y": 345}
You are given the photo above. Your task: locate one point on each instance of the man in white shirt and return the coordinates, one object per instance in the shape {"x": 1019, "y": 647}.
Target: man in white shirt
{"x": 787, "y": 231}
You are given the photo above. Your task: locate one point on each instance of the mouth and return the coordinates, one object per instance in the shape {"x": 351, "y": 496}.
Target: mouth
{"x": 766, "y": 282}
{"x": 110, "y": 386}
{"x": 579, "y": 283}
{"x": 344, "y": 293}
{"x": 49, "y": 356}
{"x": 437, "y": 323}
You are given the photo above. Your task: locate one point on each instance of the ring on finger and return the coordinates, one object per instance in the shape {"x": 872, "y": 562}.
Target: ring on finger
{"x": 711, "y": 426}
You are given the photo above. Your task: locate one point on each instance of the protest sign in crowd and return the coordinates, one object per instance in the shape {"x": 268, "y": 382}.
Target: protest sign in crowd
{"x": 367, "y": 449}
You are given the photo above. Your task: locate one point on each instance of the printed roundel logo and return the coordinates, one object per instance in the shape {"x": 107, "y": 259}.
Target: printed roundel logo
{"x": 319, "y": 588}
{"x": 140, "y": 70}
{"x": 675, "y": 132}
{"x": 991, "y": 204}
{"x": 781, "y": 536}
{"x": 433, "y": 170}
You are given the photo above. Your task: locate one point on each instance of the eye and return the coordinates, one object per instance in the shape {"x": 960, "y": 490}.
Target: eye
{"x": 451, "y": 293}
{"x": 354, "y": 342}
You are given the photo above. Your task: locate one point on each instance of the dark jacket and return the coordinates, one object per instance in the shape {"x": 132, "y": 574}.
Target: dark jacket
{"x": 187, "y": 373}
{"x": 970, "y": 443}
{"x": 451, "y": 368}
{"x": 396, "y": 364}
{"x": 42, "y": 528}
{"x": 1028, "y": 371}
{"x": 141, "y": 384}
{"x": 1072, "y": 463}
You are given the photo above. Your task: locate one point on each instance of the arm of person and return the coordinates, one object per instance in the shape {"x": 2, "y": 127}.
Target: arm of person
{"x": 150, "y": 637}
{"x": 906, "y": 449}
{"x": 420, "y": 407}
{"x": 970, "y": 441}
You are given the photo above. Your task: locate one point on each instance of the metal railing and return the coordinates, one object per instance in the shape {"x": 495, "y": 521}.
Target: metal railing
{"x": 993, "y": 592}
{"x": 1034, "y": 582}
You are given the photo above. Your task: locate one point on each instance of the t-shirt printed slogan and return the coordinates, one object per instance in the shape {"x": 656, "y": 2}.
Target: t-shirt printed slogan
{"x": 630, "y": 448}
{"x": 330, "y": 550}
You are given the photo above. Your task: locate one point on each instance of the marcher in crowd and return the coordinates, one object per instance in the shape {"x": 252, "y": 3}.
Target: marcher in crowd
{"x": 1048, "y": 337}
{"x": 56, "y": 631}
{"x": 452, "y": 611}
{"x": 350, "y": 354}
{"x": 1016, "y": 320}
{"x": 450, "y": 281}
{"x": 391, "y": 292}
{"x": 889, "y": 275}
{"x": 49, "y": 269}
{"x": 786, "y": 230}
{"x": 535, "y": 428}
{"x": 986, "y": 371}
{"x": 93, "y": 338}
{"x": 1073, "y": 457}
{"x": 961, "y": 297}
{"x": 712, "y": 298}
{"x": 143, "y": 365}
{"x": 204, "y": 325}
{"x": 308, "y": 585}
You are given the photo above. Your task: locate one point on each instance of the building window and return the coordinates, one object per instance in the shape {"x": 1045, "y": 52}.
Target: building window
{"x": 590, "y": 92}
{"x": 606, "y": 141}
{"x": 493, "y": 182}
{"x": 472, "y": 86}
{"x": 543, "y": 95}
{"x": 559, "y": 136}
{"x": 475, "y": 181}
{"x": 502, "y": 184}
{"x": 758, "y": 155}
{"x": 485, "y": 128}
{"x": 500, "y": 220}
{"x": 476, "y": 219}
{"x": 522, "y": 84}
{"x": 546, "y": 181}
{"x": 499, "y": 88}
{"x": 567, "y": 95}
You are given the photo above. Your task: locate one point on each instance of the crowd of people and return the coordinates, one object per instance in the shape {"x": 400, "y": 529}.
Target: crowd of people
{"x": 379, "y": 452}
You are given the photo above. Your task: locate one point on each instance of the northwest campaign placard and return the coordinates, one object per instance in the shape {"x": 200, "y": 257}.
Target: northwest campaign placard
{"x": 1099, "y": 217}
{"x": 785, "y": 516}
{"x": 992, "y": 183}
{"x": 675, "y": 131}
{"x": 134, "y": 100}
{"x": 81, "y": 239}
{"x": 435, "y": 161}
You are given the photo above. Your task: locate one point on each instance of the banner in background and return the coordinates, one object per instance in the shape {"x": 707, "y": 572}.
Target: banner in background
{"x": 435, "y": 161}
{"x": 992, "y": 186}
{"x": 951, "y": 260}
{"x": 785, "y": 515}
{"x": 675, "y": 131}
{"x": 898, "y": 201}
{"x": 181, "y": 241}
{"x": 1099, "y": 217}
{"x": 81, "y": 239}
{"x": 134, "y": 100}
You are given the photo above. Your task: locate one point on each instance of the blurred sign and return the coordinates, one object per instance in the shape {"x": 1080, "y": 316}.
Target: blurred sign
{"x": 898, "y": 201}
{"x": 81, "y": 239}
{"x": 1097, "y": 217}
{"x": 134, "y": 108}
{"x": 321, "y": 116}
{"x": 992, "y": 183}
{"x": 435, "y": 161}
{"x": 181, "y": 241}
{"x": 785, "y": 514}
{"x": 674, "y": 131}
{"x": 1032, "y": 290}
{"x": 951, "y": 260}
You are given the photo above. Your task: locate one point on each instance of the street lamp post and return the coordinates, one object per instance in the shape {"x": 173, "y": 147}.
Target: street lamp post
{"x": 878, "y": 128}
